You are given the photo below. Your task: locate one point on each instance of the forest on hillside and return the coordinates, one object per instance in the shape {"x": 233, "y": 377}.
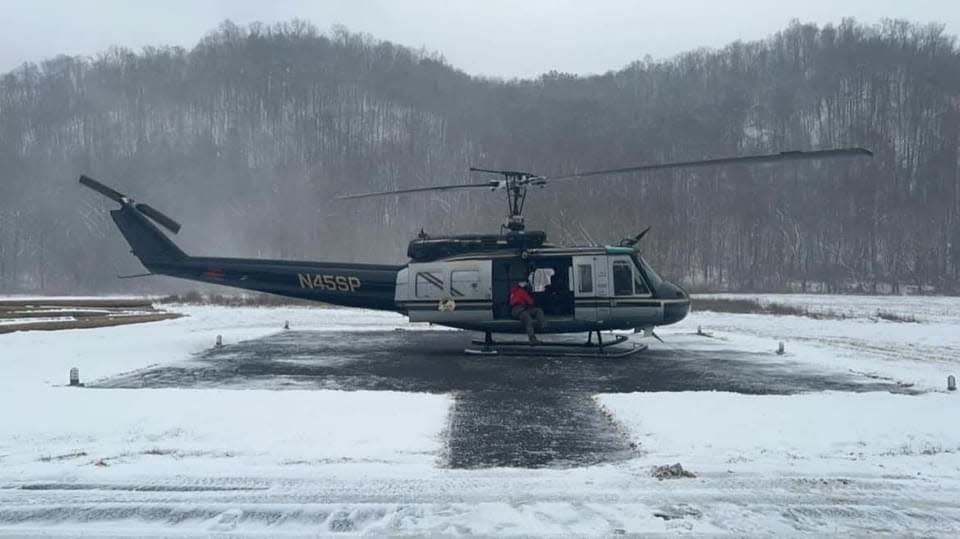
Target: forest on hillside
{"x": 247, "y": 138}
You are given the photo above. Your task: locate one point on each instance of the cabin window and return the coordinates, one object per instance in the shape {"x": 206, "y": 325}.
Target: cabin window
{"x": 429, "y": 285}
{"x": 585, "y": 278}
{"x": 465, "y": 283}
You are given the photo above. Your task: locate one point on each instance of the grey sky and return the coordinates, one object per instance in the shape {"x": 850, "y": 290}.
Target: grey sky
{"x": 489, "y": 37}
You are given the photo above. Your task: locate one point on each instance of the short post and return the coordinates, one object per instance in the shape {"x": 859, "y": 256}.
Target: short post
{"x": 951, "y": 383}
{"x": 286, "y": 325}
{"x": 699, "y": 330}
{"x": 75, "y": 377}
{"x": 780, "y": 349}
{"x": 219, "y": 341}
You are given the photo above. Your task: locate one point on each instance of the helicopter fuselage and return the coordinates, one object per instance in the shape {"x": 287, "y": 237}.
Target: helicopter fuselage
{"x": 579, "y": 289}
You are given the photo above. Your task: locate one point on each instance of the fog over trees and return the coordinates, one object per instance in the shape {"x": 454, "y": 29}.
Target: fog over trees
{"x": 246, "y": 139}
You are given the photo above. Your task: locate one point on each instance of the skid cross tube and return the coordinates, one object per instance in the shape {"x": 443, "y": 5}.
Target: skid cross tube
{"x": 618, "y": 339}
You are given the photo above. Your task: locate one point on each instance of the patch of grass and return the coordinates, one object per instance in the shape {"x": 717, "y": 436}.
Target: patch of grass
{"x": 925, "y": 449}
{"x": 158, "y": 451}
{"x": 792, "y": 310}
{"x": 895, "y": 317}
{"x": 107, "y": 303}
{"x": 90, "y": 322}
{"x": 29, "y": 314}
{"x": 753, "y": 306}
{"x": 738, "y": 306}
{"x": 672, "y": 471}
{"x": 67, "y": 456}
{"x": 246, "y": 300}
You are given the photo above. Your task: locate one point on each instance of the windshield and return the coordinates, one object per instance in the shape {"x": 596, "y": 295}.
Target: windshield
{"x": 652, "y": 277}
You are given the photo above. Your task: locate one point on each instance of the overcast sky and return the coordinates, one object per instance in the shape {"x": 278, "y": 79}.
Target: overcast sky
{"x": 490, "y": 37}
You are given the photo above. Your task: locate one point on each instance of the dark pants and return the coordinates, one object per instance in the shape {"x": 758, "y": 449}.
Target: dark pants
{"x": 527, "y": 315}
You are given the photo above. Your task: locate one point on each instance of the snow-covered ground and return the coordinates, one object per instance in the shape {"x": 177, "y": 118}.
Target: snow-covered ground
{"x": 265, "y": 462}
{"x": 923, "y": 308}
{"x": 827, "y": 433}
{"x": 120, "y": 431}
{"x": 922, "y": 353}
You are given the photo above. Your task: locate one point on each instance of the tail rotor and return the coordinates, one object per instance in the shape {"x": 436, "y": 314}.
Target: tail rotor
{"x": 104, "y": 190}
{"x": 158, "y": 217}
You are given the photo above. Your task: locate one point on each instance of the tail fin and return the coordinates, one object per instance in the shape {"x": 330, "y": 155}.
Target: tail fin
{"x": 148, "y": 243}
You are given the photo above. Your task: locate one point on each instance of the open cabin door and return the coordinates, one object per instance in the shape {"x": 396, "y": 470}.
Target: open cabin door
{"x": 591, "y": 288}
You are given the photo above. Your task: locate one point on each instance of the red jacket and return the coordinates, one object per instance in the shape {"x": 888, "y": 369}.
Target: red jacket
{"x": 519, "y": 296}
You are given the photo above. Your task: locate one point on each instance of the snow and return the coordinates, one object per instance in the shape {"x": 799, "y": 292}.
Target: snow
{"x": 165, "y": 462}
{"x": 916, "y": 353}
{"x": 46, "y": 357}
{"x": 162, "y": 431}
{"x": 714, "y": 432}
{"x": 924, "y": 308}
{"x": 85, "y": 436}
{"x": 26, "y": 321}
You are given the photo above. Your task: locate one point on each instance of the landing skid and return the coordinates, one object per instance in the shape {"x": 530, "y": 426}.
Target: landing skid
{"x": 589, "y": 349}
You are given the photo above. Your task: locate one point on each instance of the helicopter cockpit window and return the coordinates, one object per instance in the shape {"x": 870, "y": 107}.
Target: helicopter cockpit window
{"x": 429, "y": 285}
{"x": 652, "y": 277}
{"x": 639, "y": 287}
{"x": 622, "y": 278}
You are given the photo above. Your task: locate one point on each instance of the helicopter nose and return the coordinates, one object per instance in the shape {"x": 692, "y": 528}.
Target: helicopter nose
{"x": 676, "y": 304}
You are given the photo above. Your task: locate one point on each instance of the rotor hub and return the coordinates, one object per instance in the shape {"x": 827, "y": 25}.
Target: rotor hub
{"x": 514, "y": 223}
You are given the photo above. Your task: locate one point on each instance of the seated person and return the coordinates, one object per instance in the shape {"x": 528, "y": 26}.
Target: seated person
{"x": 522, "y": 308}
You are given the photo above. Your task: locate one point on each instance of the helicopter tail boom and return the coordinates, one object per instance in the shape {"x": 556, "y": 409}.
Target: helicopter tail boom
{"x": 354, "y": 285}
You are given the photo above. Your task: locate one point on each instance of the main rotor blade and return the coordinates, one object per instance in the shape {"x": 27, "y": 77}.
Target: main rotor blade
{"x": 487, "y": 185}
{"x": 102, "y": 189}
{"x": 503, "y": 172}
{"x": 750, "y": 160}
{"x": 159, "y": 217}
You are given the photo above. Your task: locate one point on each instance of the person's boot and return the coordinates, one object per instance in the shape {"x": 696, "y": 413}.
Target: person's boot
{"x": 534, "y": 341}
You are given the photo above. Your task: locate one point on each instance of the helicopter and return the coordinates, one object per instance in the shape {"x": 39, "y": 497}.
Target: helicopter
{"x": 463, "y": 281}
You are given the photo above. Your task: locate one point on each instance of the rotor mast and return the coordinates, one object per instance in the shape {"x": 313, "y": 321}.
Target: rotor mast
{"x": 516, "y": 196}
{"x": 515, "y": 184}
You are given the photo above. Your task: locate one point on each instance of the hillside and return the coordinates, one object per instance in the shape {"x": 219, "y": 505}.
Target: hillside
{"x": 247, "y": 137}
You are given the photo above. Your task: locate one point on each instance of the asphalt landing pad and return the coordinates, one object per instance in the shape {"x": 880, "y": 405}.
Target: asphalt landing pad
{"x": 508, "y": 411}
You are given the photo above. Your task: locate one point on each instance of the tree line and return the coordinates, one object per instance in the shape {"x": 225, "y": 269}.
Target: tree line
{"x": 248, "y": 137}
